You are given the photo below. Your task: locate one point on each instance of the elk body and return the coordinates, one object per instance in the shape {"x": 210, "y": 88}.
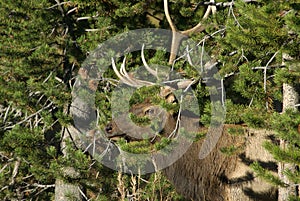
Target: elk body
{"x": 218, "y": 176}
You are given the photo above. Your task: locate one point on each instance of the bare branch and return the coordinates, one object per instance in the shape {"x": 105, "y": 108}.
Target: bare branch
{"x": 59, "y": 4}
{"x": 82, "y": 193}
{"x": 72, "y": 10}
{"x": 15, "y": 171}
{"x": 44, "y": 185}
{"x": 6, "y": 113}
{"x": 265, "y": 71}
{"x": 30, "y": 116}
{"x": 213, "y": 8}
{"x": 86, "y": 18}
{"x": 91, "y": 30}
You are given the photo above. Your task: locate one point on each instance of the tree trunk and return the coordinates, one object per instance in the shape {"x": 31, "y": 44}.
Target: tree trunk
{"x": 290, "y": 99}
{"x": 65, "y": 191}
{"x": 82, "y": 115}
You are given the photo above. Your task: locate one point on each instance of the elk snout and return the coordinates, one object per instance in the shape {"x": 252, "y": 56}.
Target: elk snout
{"x": 109, "y": 128}
{"x": 112, "y": 131}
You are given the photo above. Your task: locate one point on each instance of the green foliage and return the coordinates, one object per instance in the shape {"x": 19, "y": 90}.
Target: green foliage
{"x": 43, "y": 45}
{"x": 236, "y": 131}
{"x": 157, "y": 187}
{"x": 286, "y": 125}
{"x": 234, "y": 112}
{"x": 200, "y": 135}
{"x": 294, "y": 198}
{"x": 144, "y": 93}
{"x": 256, "y": 117}
{"x": 267, "y": 175}
{"x": 141, "y": 121}
{"x": 164, "y": 141}
{"x": 137, "y": 147}
{"x": 230, "y": 150}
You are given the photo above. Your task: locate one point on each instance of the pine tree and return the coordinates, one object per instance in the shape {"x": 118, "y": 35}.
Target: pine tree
{"x": 257, "y": 37}
{"x": 43, "y": 44}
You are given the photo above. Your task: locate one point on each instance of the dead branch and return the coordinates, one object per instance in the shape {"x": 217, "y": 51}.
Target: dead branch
{"x": 15, "y": 171}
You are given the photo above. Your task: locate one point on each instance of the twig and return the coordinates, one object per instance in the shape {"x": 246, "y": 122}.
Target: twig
{"x": 83, "y": 195}
{"x": 72, "y": 10}
{"x": 265, "y": 71}
{"x": 44, "y": 185}
{"x": 87, "y": 18}
{"x": 232, "y": 13}
{"x": 59, "y": 4}
{"x": 30, "y": 116}
{"x": 15, "y": 171}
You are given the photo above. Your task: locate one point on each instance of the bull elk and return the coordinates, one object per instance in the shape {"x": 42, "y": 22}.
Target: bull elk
{"x": 216, "y": 177}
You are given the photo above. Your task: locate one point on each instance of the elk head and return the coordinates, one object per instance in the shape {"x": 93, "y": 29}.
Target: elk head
{"x": 145, "y": 120}
{"x": 149, "y": 118}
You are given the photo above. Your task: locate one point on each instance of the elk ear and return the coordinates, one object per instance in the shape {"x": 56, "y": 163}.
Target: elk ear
{"x": 166, "y": 93}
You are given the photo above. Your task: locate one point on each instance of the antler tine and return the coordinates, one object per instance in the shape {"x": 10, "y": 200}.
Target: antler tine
{"x": 122, "y": 78}
{"x": 125, "y": 77}
{"x": 150, "y": 70}
{"x": 123, "y": 70}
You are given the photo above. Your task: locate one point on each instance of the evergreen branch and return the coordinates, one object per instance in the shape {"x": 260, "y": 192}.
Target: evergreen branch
{"x": 263, "y": 173}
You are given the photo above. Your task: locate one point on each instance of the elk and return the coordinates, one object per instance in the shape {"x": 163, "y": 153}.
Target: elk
{"x": 216, "y": 177}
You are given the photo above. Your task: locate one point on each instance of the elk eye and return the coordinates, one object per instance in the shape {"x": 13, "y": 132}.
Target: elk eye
{"x": 150, "y": 111}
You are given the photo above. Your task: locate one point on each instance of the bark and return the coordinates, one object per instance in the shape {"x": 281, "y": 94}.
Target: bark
{"x": 65, "y": 191}
{"x": 82, "y": 115}
{"x": 290, "y": 99}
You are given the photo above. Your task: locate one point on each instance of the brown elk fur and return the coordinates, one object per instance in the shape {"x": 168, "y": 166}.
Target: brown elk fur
{"x": 218, "y": 176}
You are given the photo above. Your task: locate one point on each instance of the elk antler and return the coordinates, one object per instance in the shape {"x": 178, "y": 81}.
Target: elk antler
{"x": 176, "y": 39}
{"x": 150, "y": 70}
{"x": 128, "y": 79}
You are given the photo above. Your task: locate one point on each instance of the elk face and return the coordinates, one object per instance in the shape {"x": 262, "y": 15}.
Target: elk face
{"x": 145, "y": 120}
